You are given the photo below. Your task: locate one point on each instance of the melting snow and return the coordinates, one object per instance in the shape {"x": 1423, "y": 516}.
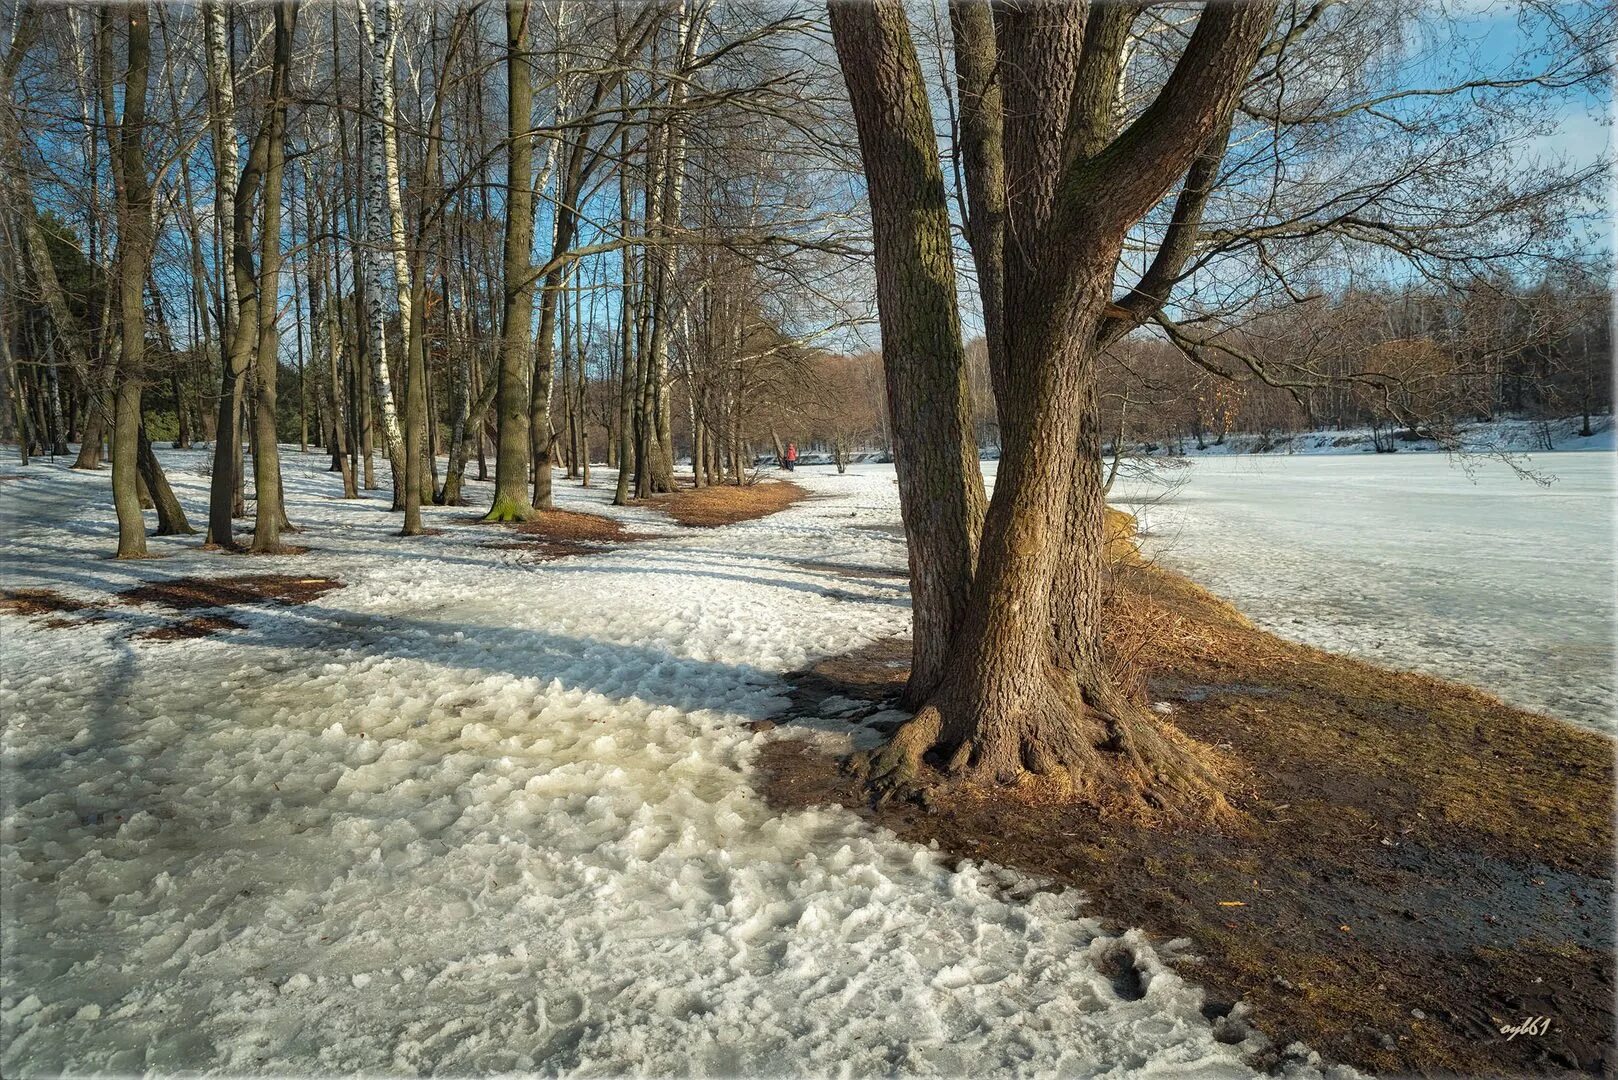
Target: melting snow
{"x": 1407, "y": 560}
{"x": 476, "y": 813}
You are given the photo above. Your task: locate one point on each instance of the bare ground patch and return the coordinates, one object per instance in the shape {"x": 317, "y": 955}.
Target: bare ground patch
{"x": 726, "y": 504}
{"x": 186, "y": 629}
{"x": 1416, "y": 863}
{"x": 27, "y": 602}
{"x": 558, "y": 534}
{"x": 210, "y": 592}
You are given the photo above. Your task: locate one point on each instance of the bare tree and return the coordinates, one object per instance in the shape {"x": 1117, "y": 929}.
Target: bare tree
{"x": 1016, "y": 683}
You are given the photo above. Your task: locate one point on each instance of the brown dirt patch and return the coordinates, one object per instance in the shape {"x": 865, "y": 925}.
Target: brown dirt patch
{"x": 558, "y": 534}
{"x": 727, "y": 504}
{"x": 199, "y": 592}
{"x": 199, "y": 627}
{"x": 38, "y": 602}
{"x": 1416, "y": 863}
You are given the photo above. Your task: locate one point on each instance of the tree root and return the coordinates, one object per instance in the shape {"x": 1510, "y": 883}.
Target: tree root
{"x": 1056, "y": 743}
{"x": 506, "y": 511}
{"x": 893, "y": 771}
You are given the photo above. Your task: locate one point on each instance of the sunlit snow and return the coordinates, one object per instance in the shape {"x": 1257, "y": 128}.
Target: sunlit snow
{"x": 477, "y": 813}
{"x": 1456, "y": 568}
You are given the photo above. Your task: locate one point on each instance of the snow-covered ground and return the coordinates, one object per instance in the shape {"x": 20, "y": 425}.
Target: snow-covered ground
{"x": 1418, "y": 561}
{"x": 478, "y": 813}
{"x": 1493, "y": 436}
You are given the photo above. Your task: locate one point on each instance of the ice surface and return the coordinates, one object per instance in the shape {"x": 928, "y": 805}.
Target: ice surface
{"x": 1413, "y": 561}
{"x": 477, "y": 813}
{"x": 1512, "y": 436}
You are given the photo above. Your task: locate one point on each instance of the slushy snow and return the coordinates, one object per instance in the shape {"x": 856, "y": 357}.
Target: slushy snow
{"x": 478, "y": 813}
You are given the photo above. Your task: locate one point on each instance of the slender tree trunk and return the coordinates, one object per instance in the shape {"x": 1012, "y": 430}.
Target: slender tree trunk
{"x": 229, "y": 228}
{"x": 328, "y": 313}
{"x": 419, "y": 484}
{"x": 626, "y": 335}
{"x": 512, "y": 451}
{"x": 376, "y": 131}
{"x": 941, "y": 498}
{"x": 134, "y": 252}
{"x": 270, "y": 516}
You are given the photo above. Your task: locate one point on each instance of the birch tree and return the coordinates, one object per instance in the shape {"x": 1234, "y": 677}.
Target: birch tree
{"x": 385, "y": 244}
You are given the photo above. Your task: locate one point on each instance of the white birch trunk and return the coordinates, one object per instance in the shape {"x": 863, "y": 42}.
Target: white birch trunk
{"x": 222, "y": 91}
{"x": 689, "y": 40}
{"x": 381, "y": 28}
{"x": 379, "y": 232}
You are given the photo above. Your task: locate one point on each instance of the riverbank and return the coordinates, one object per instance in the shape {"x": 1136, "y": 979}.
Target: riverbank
{"x": 1417, "y": 865}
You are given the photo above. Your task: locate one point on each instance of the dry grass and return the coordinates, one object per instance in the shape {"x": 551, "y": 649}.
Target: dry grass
{"x": 1414, "y": 863}
{"x": 558, "y": 534}
{"x": 187, "y": 629}
{"x": 569, "y": 525}
{"x": 727, "y": 504}
{"x": 199, "y": 592}
{"x": 38, "y": 602}
{"x": 1515, "y": 780}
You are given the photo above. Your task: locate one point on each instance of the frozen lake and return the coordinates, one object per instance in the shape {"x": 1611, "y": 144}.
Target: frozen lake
{"x": 1410, "y": 561}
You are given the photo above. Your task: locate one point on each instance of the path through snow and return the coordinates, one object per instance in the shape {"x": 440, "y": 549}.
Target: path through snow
{"x": 473, "y": 813}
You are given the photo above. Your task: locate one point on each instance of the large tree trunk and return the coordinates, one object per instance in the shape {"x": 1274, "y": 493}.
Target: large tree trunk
{"x": 1026, "y": 693}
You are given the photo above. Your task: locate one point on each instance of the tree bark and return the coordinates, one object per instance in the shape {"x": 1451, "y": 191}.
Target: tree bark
{"x": 269, "y": 517}
{"x": 512, "y": 451}
{"x": 941, "y": 497}
{"x": 381, "y": 167}
{"x": 231, "y": 226}
{"x": 134, "y": 207}
{"x": 171, "y": 519}
{"x": 1027, "y": 693}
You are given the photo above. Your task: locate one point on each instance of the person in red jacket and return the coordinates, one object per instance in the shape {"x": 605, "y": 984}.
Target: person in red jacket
{"x": 792, "y": 456}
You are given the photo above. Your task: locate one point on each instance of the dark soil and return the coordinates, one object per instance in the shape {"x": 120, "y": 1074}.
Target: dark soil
{"x": 38, "y": 602}
{"x": 199, "y": 627}
{"x": 207, "y": 592}
{"x": 726, "y": 504}
{"x": 1415, "y": 864}
{"x": 558, "y": 534}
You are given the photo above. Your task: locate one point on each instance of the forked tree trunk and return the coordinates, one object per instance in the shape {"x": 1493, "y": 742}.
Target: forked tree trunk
{"x": 1026, "y": 692}
{"x": 90, "y": 440}
{"x": 171, "y": 519}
